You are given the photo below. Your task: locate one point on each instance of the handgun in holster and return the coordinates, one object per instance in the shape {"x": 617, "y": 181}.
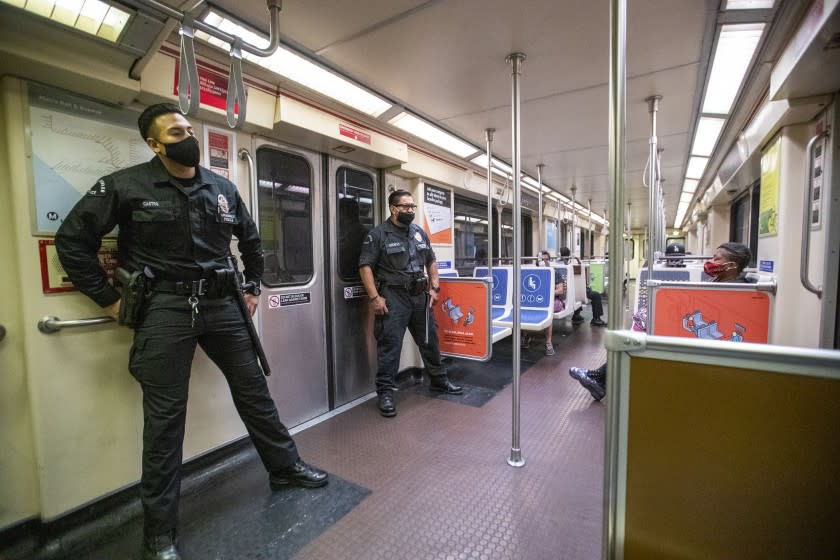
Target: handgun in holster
{"x": 134, "y": 292}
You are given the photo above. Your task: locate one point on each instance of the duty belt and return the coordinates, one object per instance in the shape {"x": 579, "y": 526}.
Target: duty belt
{"x": 182, "y": 288}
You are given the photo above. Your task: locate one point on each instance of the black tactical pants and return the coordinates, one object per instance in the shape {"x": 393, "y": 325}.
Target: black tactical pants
{"x": 404, "y": 311}
{"x": 160, "y": 360}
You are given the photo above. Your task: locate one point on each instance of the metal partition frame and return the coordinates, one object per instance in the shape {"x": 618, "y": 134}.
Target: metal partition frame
{"x": 766, "y": 358}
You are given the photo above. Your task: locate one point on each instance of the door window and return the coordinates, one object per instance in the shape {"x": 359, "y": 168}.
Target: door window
{"x": 354, "y": 191}
{"x": 285, "y": 216}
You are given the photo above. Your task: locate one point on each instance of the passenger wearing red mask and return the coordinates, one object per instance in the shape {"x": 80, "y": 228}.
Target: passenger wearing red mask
{"x": 727, "y": 265}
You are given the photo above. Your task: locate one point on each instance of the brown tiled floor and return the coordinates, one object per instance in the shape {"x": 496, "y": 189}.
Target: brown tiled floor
{"x": 440, "y": 484}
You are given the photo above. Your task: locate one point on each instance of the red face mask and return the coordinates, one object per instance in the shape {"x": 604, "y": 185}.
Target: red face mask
{"x": 713, "y": 269}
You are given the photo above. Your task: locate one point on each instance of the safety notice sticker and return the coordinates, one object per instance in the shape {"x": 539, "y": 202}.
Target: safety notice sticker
{"x": 285, "y": 300}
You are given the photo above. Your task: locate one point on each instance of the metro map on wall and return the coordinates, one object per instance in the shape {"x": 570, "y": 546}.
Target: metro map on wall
{"x": 75, "y": 141}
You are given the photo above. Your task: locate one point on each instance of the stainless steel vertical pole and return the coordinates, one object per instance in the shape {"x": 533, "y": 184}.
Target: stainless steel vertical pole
{"x": 516, "y": 59}
{"x": 489, "y": 137}
{"x": 653, "y": 181}
{"x": 589, "y": 237}
{"x": 540, "y": 209}
{"x": 573, "y": 248}
{"x": 617, "y": 96}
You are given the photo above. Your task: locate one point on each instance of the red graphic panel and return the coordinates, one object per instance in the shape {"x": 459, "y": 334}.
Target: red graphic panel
{"x": 213, "y": 88}
{"x": 461, "y": 314}
{"x": 736, "y": 315}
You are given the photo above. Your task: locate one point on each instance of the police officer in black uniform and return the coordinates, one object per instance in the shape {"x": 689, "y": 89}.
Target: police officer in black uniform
{"x": 393, "y": 263}
{"x": 175, "y": 223}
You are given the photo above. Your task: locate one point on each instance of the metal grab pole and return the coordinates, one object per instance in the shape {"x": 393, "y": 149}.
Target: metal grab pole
{"x": 540, "y": 209}
{"x": 617, "y": 95}
{"x": 516, "y": 59}
{"x": 489, "y": 137}
{"x": 653, "y": 107}
{"x": 574, "y": 221}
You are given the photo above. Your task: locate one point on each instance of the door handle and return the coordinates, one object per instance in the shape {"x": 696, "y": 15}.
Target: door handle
{"x": 50, "y": 324}
{"x": 804, "y": 259}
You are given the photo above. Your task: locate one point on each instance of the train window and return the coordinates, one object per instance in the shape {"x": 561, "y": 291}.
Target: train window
{"x": 354, "y": 191}
{"x": 470, "y": 235}
{"x": 743, "y": 220}
{"x": 285, "y": 217}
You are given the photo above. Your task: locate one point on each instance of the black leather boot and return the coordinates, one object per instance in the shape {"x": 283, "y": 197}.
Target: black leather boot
{"x": 161, "y": 547}
{"x": 386, "y": 405}
{"x": 298, "y": 474}
{"x": 441, "y": 384}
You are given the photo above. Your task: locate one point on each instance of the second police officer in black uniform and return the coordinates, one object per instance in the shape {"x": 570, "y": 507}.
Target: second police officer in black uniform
{"x": 175, "y": 223}
{"x": 395, "y": 257}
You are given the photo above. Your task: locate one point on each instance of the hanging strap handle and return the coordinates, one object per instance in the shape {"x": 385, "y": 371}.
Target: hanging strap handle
{"x": 236, "y": 87}
{"x": 189, "y": 97}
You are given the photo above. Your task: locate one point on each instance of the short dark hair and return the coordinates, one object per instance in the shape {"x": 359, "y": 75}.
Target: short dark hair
{"x": 565, "y": 252}
{"x": 546, "y": 253}
{"x": 147, "y": 117}
{"x": 739, "y": 253}
{"x": 395, "y": 196}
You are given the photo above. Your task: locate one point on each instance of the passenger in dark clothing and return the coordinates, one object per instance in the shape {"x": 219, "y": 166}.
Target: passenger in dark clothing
{"x": 175, "y": 221}
{"x": 727, "y": 265}
{"x": 591, "y": 295}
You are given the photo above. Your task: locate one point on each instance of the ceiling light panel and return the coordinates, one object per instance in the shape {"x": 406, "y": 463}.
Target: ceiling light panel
{"x": 432, "y": 134}
{"x": 749, "y": 4}
{"x": 735, "y": 49}
{"x": 696, "y": 166}
{"x": 89, "y": 16}
{"x": 690, "y": 186}
{"x": 706, "y": 136}
{"x": 297, "y": 68}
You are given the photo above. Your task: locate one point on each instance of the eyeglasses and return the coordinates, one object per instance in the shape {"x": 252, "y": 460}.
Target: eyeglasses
{"x": 406, "y": 206}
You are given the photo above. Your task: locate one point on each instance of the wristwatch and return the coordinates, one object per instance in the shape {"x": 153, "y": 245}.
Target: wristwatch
{"x": 254, "y": 289}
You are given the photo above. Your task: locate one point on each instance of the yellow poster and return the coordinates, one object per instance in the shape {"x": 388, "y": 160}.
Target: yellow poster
{"x": 768, "y": 206}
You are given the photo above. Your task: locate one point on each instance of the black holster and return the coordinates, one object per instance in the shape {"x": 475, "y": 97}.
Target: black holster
{"x": 134, "y": 292}
{"x": 416, "y": 285}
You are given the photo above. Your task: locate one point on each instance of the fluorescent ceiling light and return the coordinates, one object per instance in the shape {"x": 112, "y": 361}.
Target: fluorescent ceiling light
{"x": 499, "y": 167}
{"x": 89, "y": 16}
{"x": 696, "y": 166}
{"x": 297, "y": 68}
{"x": 749, "y": 4}
{"x": 735, "y": 48}
{"x": 706, "y": 136}
{"x": 690, "y": 185}
{"x": 686, "y": 198}
{"x": 432, "y": 134}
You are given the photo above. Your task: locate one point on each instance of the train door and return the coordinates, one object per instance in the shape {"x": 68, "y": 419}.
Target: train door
{"x": 292, "y": 305}
{"x": 352, "y": 192}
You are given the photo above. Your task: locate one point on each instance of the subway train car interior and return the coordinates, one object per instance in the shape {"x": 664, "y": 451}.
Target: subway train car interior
{"x": 630, "y": 216}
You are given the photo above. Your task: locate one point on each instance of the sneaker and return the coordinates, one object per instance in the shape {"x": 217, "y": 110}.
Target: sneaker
{"x": 549, "y": 349}
{"x": 526, "y": 341}
{"x": 597, "y": 390}
{"x": 577, "y": 319}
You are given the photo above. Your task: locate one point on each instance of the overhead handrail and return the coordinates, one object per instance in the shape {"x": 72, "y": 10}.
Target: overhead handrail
{"x": 236, "y": 98}
{"x": 50, "y": 324}
{"x": 274, "y": 7}
{"x": 189, "y": 96}
{"x": 805, "y": 257}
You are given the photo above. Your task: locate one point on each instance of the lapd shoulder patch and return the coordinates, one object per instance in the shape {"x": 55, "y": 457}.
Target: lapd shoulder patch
{"x": 99, "y": 189}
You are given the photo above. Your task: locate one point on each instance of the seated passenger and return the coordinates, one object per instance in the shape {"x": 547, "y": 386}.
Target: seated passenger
{"x": 559, "y": 303}
{"x": 591, "y": 295}
{"x": 727, "y": 265}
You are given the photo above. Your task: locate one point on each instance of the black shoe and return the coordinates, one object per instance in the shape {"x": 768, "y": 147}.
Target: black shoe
{"x": 441, "y": 384}
{"x": 596, "y": 389}
{"x": 598, "y": 323}
{"x": 299, "y": 474}
{"x": 161, "y": 547}
{"x": 386, "y": 405}
{"x": 577, "y": 319}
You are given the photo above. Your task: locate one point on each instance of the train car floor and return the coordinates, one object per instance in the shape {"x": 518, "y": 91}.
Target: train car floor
{"x": 431, "y": 483}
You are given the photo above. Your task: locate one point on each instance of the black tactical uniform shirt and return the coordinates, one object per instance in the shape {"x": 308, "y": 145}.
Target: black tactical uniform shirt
{"x": 395, "y": 253}
{"x": 180, "y": 233}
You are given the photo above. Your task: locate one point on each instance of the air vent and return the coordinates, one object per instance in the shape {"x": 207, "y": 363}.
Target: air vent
{"x": 344, "y": 149}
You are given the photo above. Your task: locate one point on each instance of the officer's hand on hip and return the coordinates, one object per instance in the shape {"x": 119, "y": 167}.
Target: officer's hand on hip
{"x": 252, "y": 301}
{"x": 113, "y": 310}
{"x": 380, "y": 307}
{"x": 433, "y": 297}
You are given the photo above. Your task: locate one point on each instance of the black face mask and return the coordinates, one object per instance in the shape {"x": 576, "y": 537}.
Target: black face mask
{"x": 186, "y": 152}
{"x": 405, "y": 218}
